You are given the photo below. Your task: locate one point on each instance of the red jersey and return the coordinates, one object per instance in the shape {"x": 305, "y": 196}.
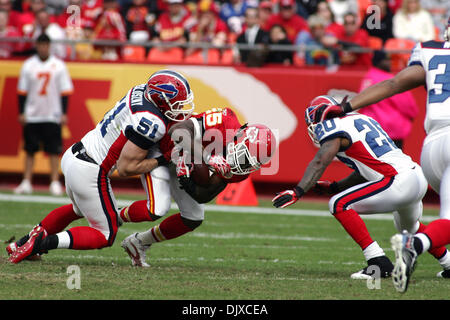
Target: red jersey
{"x": 173, "y": 29}
{"x": 8, "y": 48}
{"x": 211, "y": 123}
{"x": 292, "y": 26}
{"x": 360, "y": 37}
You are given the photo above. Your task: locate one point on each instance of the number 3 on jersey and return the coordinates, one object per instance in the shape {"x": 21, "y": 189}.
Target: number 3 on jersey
{"x": 441, "y": 79}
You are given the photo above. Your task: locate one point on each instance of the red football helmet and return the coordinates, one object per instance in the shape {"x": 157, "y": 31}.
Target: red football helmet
{"x": 170, "y": 91}
{"x": 310, "y": 113}
{"x": 252, "y": 147}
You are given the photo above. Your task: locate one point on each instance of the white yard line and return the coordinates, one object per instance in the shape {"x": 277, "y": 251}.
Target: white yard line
{"x": 209, "y": 207}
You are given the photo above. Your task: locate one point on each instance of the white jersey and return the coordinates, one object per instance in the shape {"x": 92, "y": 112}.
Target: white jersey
{"x": 133, "y": 118}
{"x": 371, "y": 153}
{"x": 434, "y": 57}
{"x": 44, "y": 82}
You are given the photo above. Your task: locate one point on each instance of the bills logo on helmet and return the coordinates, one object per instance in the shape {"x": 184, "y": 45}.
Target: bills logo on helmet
{"x": 168, "y": 89}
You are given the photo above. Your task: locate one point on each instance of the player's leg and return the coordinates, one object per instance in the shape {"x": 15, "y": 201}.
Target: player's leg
{"x": 31, "y": 146}
{"x": 157, "y": 188}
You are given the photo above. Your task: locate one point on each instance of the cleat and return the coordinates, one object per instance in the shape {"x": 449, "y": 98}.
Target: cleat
{"x": 24, "y": 188}
{"x": 405, "y": 260}
{"x": 136, "y": 250}
{"x": 444, "y": 274}
{"x": 31, "y": 247}
{"x": 377, "y": 267}
{"x": 10, "y": 248}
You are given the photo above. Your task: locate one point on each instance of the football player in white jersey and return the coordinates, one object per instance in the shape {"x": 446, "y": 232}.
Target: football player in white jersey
{"x": 429, "y": 66}
{"x": 43, "y": 89}
{"x": 384, "y": 180}
{"x": 122, "y": 140}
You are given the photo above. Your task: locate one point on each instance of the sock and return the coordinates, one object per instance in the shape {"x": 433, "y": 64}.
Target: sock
{"x": 372, "y": 251}
{"x": 421, "y": 243}
{"x": 355, "y": 227}
{"x": 86, "y": 238}
{"x": 170, "y": 228}
{"x": 136, "y": 212}
{"x": 438, "y": 232}
{"x": 58, "y": 219}
{"x": 444, "y": 261}
{"x": 438, "y": 252}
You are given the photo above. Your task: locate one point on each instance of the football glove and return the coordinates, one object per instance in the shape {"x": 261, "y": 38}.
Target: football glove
{"x": 220, "y": 165}
{"x": 325, "y": 187}
{"x": 187, "y": 184}
{"x": 287, "y": 197}
{"x": 328, "y": 111}
{"x": 183, "y": 169}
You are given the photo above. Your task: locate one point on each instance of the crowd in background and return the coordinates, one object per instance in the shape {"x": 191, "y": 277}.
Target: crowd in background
{"x": 331, "y": 30}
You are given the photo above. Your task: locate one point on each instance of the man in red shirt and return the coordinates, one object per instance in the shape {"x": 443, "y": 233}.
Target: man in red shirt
{"x": 353, "y": 37}
{"x": 289, "y": 19}
{"x": 7, "y": 49}
{"x": 173, "y": 24}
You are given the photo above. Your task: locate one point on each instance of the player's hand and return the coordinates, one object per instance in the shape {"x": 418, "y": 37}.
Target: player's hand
{"x": 22, "y": 119}
{"x": 187, "y": 185}
{"x": 287, "y": 197}
{"x": 183, "y": 169}
{"x": 328, "y": 111}
{"x": 325, "y": 187}
{"x": 220, "y": 165}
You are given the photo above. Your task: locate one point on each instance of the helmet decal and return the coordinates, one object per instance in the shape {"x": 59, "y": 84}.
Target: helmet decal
{"x": 168, "y": 89}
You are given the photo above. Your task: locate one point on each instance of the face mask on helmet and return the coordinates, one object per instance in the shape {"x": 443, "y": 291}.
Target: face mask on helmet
{"x": 252, "y": 147}
{"x": 171, "y": 92}
{"x": 310, "y": 114}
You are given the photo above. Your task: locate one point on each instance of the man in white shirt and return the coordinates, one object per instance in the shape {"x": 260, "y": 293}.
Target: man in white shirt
{"x": 43, "y": 90}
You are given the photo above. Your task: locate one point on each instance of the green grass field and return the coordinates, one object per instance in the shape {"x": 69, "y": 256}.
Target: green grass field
{"x": 257, "y": 255}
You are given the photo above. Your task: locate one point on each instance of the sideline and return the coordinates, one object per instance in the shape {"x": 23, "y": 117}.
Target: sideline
{"x": 208, "y": 207}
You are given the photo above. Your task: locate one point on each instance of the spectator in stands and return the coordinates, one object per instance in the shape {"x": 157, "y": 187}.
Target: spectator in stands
{"x": 265, "y": 12}
{"x": 382, "y": 28}
{"x": 86, "y": 50}
{"x": 394, "y": 114}
{"x": 440, "y": 11}
{"x": 110, "y": 26}
{"x": 233, "y": 13}
{"x": 27, "y": 18}
{"x": 319, "y": 41}
{"x": 291, "y": 22}
{"x": 413, "y": 22}
{"x": 209, "y": 27}
{"x": 138, "y": 20}
{"x": 324, "y": 11}
{"x": 341, "y": 7}
{"x": 13, "y": 15}
{"x": 8, "y": 49}
{"x": 278, "y": 36}
{"x": 305, "y": 8}
{"x": 174, "y": 24}
{"x": 91, "y": 10}
{"x": 353, "y": 38}
{"x": 252, "y": 35}
{"x": 43, "y": 24}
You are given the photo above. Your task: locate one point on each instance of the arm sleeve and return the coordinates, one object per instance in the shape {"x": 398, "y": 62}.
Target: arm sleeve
{"x": 21, "y": 100}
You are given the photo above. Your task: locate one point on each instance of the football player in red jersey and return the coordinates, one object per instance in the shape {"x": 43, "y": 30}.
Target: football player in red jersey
{"x": 216, "y": 138}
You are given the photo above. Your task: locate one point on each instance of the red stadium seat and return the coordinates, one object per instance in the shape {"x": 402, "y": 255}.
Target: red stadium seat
{"x": 227, "y": 57}
{"x": 198, "y": 57}
{"x": 375, "y": 43}
{"x": 172, "y": 55}
{"x": 399, "y": 60}
{"x": 133, "y": 53}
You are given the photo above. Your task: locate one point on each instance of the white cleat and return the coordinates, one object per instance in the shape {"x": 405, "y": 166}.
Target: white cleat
{"x": 136, "y": 250}
{"x": 56, "y": 189}
{"x": 405, "y": 260}
{"x": 24, "y": 187}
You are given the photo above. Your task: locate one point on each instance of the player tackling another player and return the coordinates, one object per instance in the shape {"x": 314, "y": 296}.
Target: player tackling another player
{"x": 429, "y": 66}
{"x": 232, "y": 152}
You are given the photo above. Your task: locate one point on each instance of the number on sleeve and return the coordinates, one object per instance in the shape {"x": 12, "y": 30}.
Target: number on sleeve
{"x": 145, "y": 126}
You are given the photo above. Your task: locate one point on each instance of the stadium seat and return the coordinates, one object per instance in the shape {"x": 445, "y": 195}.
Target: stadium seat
{"x": 227, "y": 57}
{"x": 375, "y": 43}
{"x": 172, "y": 55}
{"x": 298, "y": 61}
{"x": 198, "y": 57}
{"x": 399, "y": 60}
{"x": 133, "y": 53}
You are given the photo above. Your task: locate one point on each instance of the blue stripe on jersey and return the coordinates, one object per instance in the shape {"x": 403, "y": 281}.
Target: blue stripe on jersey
{"x": 138, "y": 139}
{"x": 415, "y": 63}
{"x": 433, "y": 44}
{"x": 143, "y": 105}
{"x": 338, "y": 134}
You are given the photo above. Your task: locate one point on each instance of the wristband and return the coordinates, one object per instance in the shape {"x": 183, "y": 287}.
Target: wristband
{"x": 347, "y": 107}
{"x": 299, "y": 191}
{"x": 162, "y": 161}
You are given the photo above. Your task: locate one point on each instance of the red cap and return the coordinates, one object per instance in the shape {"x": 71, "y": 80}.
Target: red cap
{"x": 286, "y": 3}
{"x": 265, "y": 5}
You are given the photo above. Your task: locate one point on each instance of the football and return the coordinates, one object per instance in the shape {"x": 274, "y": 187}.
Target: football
{"x": 200, "y": 174}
